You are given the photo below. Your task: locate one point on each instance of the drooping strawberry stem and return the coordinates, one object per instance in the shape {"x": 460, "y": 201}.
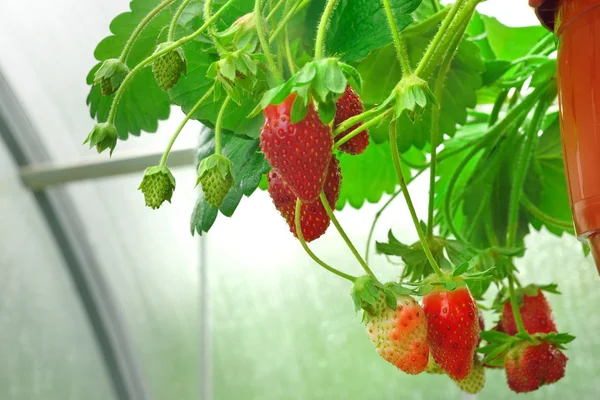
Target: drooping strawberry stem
{"x": 398, "y": 42}
{"x": 188, "y": 116}
{"x": 515, "y": 305}
{"x": 548, "y": 219}
{"x": 409, "y": 203}
{"x": 264, "y": 43}
{"x": 288, "y": 49}
{"x": 148, "y": 60}
{"x": 320, "y": 40}
{"x": 347, "y": 240}
{"x": 309, "y": 251}
{"x": 140, "y": 28}
{"x": 284, "y": 21}
{"x": 211, "y": 27}
{"x": 182, "y": 7}
{"x": 376, "y": 120}
{"x": 274, "y": 9}
{"x": 219, "y": 124}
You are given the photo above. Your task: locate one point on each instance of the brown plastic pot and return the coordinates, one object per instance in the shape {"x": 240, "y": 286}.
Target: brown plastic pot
{"x": 576, "y": 23}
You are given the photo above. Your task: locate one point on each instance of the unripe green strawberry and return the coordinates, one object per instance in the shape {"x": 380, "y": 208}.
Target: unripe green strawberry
{"x": 168, "y": 68}
{"x": 110, "y": 75}
{"x": 475, "y": 381}
{"x": 433, "y": 368}
{"x": 400, "y": 334}
{"x": 157, "y": 185}
{"x": 215, "y": 173}
{"x": 103, "y": 136}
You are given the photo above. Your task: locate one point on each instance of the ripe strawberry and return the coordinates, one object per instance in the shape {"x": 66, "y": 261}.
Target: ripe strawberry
{"x": 536, "y": 314}
{"x": 313, "y": 219}
{"x": 529, "y": 366}
{"x": 475, "y": 381}
{"x": 452, "y": 329}
{"x": 400, "y": 335}
{"x": 299, "y": 153}
{"x": 349, "y": 105}
{"x": 168, "y": 68}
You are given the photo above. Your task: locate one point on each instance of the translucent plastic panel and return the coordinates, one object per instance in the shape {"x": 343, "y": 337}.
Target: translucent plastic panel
{"x": 150, "y": 260}
{"x": 48, "y": 351}
{"x": 283, "y": 328}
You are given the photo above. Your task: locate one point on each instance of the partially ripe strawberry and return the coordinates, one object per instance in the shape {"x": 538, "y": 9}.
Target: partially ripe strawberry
{"x": 313, "y": 218}
{"x": 475, "y": 381}
{"x": 529, "y": 366}
{"x": 299, "y": 153}
{"x": 400, "y": 334}
{"x": 536, "y": 314}
{"x": 350, "y": 105}
{"x": 452, "y": 329}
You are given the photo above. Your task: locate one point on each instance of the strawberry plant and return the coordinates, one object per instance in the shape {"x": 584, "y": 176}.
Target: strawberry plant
{"x": 326, "y": 103}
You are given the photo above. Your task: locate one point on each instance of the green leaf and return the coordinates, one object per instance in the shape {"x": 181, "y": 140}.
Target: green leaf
{"x": 335, "y": 80}
{"x": 143, "y": 103}
{"x": 495, "y": 337}
{"x": 203, "y": 216}
{"x": 299, "y": 110}
{"x": 249, "y": 165}
{"x": 360, "y": 26}
{"x": 461, "y": 269}
{"x": 510, "y": 43}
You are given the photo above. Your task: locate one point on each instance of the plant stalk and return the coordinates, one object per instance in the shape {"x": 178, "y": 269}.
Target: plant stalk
{"x": 175, "y": 19}
{"x": 401, "y": 52}
{"x": 320, "y": 41}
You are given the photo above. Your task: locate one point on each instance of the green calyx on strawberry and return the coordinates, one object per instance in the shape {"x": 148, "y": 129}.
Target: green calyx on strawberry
{"x": 531, "y": 365}
{"x": 103, "y": 136}
{"x": 452, "y": 326}
{"x": 169, "y": 67}
{"x": 314, "y": 220}
{"x": 347, "y": 106}
{"x": 110, "y": 75}
{"x": 535, "y": 312}
{"x": 215, "y": 174}
{"x": 157, "y": 186}
{"x": 412, "y": 95}
{"x": 299, "y": 152}
{"x": 241, "y": 35}
{"x": 235, "y": 73}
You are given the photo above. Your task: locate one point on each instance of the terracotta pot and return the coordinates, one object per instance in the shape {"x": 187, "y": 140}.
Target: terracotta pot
{"x": 576, "y": 24}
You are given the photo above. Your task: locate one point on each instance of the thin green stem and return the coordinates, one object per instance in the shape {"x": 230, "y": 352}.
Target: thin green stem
{"x": 377, "y": 215}
{"x": 264, "y": 44}
{"x": 542, "y": 44}
{"x": 274, "y": 9}
{"x": 158, "y": 54}
{"x": 409, "y": 203}
{"x": 362, "y": 128}
{"x": 219, "y": 124}
{"x": 547, "y": 219}
{"x": 188, "y": 116}
{"x": 401, "y": 52}
{"x": 347, "y": 240}
{"x": 427, "y": 24}
{"x": 515, "y": 305}
{"x": 283, "y": 23}
{"x": 521, "y": 171}
{"x": 435, "y": 5}
{"x": 500, "y": 100}
{"x": 140, "y": 28}
{"x": 288, "y": 52}
{"x": 308, "y": 250}
{"x": 175, "y": 19}
{"x": 211, "y": 27}
{"x": 320, "y": 41}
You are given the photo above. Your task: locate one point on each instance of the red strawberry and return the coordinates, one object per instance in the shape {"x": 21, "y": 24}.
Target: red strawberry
{"x": 300, "y": 152}
{"x": 400, "y": 335}
{"x": 452, "y": 329}
{"x": 530, "y": 366}
{"x": 536, "y": 314}
{"x": 348, "y": 106}
{"x": 313, "y": 220}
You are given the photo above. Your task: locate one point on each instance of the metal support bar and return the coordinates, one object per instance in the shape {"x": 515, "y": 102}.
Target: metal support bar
{"x": 94, "y": 291}
{"x": 40, "y": 176}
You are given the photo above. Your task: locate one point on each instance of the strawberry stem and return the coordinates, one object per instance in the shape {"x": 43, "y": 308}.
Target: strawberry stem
{"x": 547, "y": 219}
{"x": 283, "y": 23}
{"x": 515, "y": 305}
{"x": 218, "y": 125}
{"x": 398, "y": 42}
{"x": 140, "y": 28}
{"x": 158, "y": 54}
{"x": 521, "y": 170}
{"x": 339, "y": 228}
{"x": 409, "y": 203}
{"x": 274, "y": 9}
{"x": 362, "y": 128}
{"x": 320, "y": 41}
{"x": 309, "y": 251}
{"x": 435, "y": 124}
{"x": 211, "y": 28}
{"x": 288, "y": 51}
{"x": 264, "y": 44}
{"x": 188, "y": 116}
{"x": 175, "y": 19}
